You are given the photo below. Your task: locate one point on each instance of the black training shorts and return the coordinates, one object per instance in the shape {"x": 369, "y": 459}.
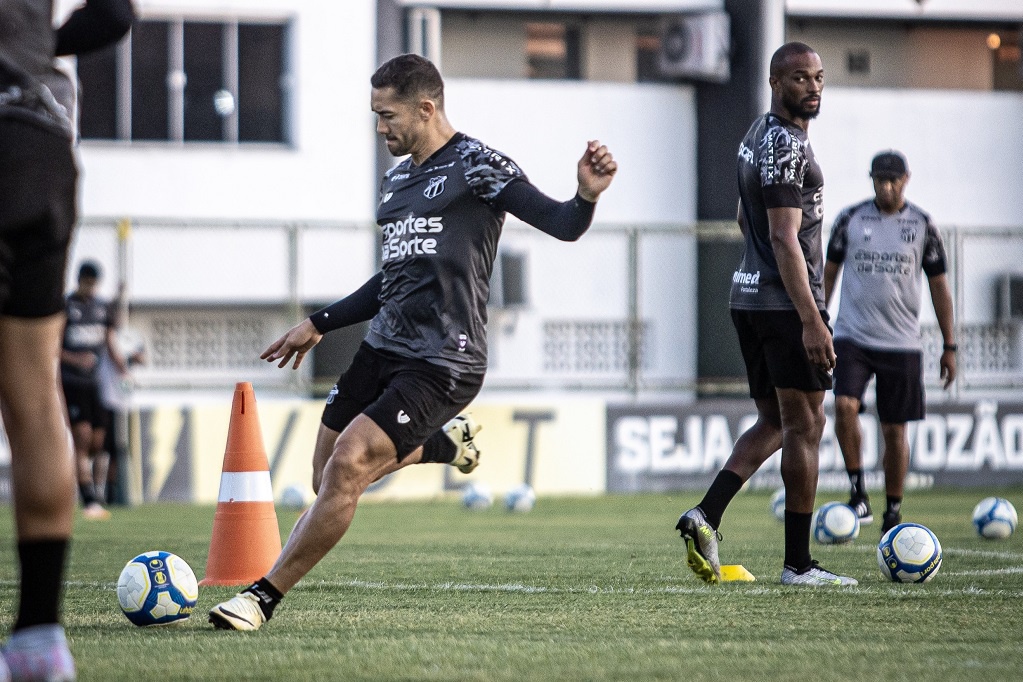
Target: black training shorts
{"x": 409, "y": 399}
{"x": 772, "y": 347}
{"x": 84, "y": 402}
{"x": 900, "y": 383}
{"x": 37, "y": 214}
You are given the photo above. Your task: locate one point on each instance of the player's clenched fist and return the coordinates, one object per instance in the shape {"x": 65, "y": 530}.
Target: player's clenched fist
{"x": 597, "y": 168}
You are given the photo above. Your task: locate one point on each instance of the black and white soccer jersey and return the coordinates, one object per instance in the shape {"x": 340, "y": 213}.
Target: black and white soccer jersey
{"x": 440, "y": 230}
{"x": 777, "y": 169}
{"x": 883, "y": 256}
{"x": 88, "y": 321}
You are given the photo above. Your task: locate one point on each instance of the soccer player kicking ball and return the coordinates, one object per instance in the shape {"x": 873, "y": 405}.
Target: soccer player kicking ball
{"x": 423, "y": 360}
{"x": 777, "y": 304}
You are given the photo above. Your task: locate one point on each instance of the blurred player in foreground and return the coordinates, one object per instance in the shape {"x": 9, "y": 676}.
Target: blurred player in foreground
{"x": 38, "y": 180}
{"x": 777, "y": 304}
{"x": 423, "y": 360}
{"x": 884, "y": 244}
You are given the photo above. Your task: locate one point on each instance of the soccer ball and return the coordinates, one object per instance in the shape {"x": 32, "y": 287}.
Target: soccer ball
{"x": 778, "y": 504}
{"x": 995, "y": 518}
{"x": 521, "y": 498}
{"x": 909, "y": 553}
{"x": 296, "y": 496}
{"x": 477, "y": 496}
{"x": 156, "y": 588}
{"x": 835, "y": 523}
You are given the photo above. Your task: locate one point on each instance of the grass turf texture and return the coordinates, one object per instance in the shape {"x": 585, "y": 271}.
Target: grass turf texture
{"x": 578, "y": 589}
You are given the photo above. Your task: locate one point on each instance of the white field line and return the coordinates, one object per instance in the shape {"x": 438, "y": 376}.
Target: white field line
{"x": 741, "y": 589}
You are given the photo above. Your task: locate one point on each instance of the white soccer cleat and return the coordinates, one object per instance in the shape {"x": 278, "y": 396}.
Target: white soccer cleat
{"x": 815, "y": 576}
{"x": 39, "y": 652}
{"x": 461, "y": 430}
{"x": 240, "y": 612}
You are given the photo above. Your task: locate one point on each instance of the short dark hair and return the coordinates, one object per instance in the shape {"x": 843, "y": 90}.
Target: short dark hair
{"x": 89, "y": 269}
{"x": 411, "y": 76}
{"x": 781, "y": 56}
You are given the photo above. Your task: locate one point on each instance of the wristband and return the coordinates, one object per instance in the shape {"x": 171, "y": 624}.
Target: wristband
{"x": 951, "y": 346}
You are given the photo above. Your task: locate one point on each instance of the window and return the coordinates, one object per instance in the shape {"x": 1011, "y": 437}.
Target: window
{"x": 552, "y": 50}
{"x": 201, "y": 81}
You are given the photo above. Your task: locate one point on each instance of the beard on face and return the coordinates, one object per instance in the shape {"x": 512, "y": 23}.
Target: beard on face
{"x": 798, "y": 109}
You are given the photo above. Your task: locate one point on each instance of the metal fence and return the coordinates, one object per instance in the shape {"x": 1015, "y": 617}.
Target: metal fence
{"x": 633, "y": 309}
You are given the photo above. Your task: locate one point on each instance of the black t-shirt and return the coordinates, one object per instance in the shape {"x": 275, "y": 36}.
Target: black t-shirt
{"x": 777, "y": 169}
{"x": 440, "y": 231}
{"x": 88, "y": 321}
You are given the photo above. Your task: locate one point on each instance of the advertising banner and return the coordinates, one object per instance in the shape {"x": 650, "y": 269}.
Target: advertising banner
{"x": 682, "y": 446}
{"x": 557, "y": 447}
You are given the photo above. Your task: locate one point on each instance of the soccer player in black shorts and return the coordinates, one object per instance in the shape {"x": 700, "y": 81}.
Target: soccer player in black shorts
{"x": 888, "y": 243}
{"x": 38, "y": 180}
{"x": 777, "y": 304}
{"x": 423, "y": 360}
{"x": 89, "y": 332}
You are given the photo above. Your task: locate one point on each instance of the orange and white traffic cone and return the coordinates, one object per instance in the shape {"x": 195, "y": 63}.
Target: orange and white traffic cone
{"x": 246, "y": 538}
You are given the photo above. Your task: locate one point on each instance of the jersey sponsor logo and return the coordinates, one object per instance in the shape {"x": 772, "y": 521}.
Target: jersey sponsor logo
{"x": 745, "y": 153}
{"x": 432, "y": 169}
{"x": 403, "y": 418}
{"x": 400, "y": 176}
{"x": 867, "y": 232}
{"x": 748, "y": 281}
{"x": 876, "y": 261}
{"x": 740, "y": 277}
{"x": 386, "y": 197}
{"x": 401, "y": 238}
{"x": 86, "y": 335}
{"x": 436, "y": 187}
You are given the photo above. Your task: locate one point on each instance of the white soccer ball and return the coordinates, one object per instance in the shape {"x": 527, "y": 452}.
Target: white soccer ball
{"x": 157, "y": 588}
{"x": 295, "y": 496}
{"x": 521, "y": 498}
{"x": 778, "y": 504}
{"x": 995, "y": 518}
{"x": 835, "y": 523}
{"x": 909, "y": 553}
{"x": 477, "y": 496}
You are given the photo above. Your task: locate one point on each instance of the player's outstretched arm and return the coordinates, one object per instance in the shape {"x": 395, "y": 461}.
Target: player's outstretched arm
{"x": 597, "y": 168}
{"x": 295, "y": 343}
{"x": 359, "y": 306}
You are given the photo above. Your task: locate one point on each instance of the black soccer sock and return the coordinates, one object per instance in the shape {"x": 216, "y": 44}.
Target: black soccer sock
{"x": 42, "y": 581}
{"x": 797, "y": 540}
{"x": 720, "y": 493}
{"x": 88, "y": 493}
{"x": 894, "y": 505}
{"x": 856, "y": 479}
{"x": 268, "y": 595}
{"x": 439, "y": 448}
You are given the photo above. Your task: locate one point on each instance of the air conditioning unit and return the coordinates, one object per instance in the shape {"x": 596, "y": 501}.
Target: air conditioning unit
{"x": 695, "y": 46}
{"x": 1010, "y": 298}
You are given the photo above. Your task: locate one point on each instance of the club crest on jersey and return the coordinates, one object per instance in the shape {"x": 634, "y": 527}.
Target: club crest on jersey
{"x": 908, "y": 235}
{"x": 436, "y": 187}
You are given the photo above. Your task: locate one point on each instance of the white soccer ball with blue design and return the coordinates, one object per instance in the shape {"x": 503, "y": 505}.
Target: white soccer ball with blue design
{"x": 477, "y": 496}
{"x": 835, "y": 523}
{"x": 995, "y": 518}
{"x": 521, "y": 498}
{"x": 778, "y": 503}
{"x": 909, "y": 553}
{"x": 157, "y": 588}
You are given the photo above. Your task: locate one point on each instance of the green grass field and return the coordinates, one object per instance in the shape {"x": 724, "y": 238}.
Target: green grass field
{"x": 578, "y": 589}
